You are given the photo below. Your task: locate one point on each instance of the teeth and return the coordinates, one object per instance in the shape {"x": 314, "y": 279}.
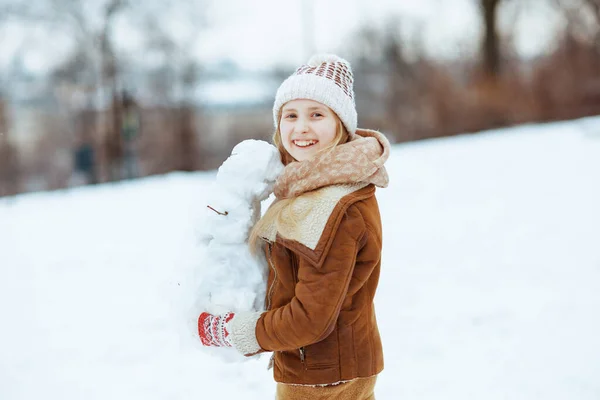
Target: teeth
{"x": 304, "y": 143}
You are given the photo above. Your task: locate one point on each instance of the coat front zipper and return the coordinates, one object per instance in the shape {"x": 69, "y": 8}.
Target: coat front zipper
{"x": 270, "y": 293}
{"x": 295, "y": 268}
{"x": 274, "y": 278}
{"x": 302, "y": 355}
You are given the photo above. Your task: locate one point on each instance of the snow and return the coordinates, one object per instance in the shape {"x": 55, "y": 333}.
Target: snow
{"x": 489, "y": 288}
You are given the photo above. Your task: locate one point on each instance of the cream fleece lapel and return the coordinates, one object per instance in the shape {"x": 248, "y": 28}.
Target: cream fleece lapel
{"x": 310, "y": 211}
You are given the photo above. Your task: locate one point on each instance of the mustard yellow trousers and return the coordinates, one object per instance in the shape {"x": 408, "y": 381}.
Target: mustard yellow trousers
{"x": 356, "y": 389}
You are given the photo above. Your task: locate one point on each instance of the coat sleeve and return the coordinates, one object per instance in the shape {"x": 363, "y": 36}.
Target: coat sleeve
{"x": 320, "y": 291}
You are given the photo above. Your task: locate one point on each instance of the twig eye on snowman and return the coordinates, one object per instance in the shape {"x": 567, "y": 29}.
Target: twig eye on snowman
{"x": 218, "y": 212}
{"x": 229, "y": 278}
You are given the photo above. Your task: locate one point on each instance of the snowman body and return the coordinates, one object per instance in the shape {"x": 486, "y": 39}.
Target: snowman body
{"x": 229, "y": 277}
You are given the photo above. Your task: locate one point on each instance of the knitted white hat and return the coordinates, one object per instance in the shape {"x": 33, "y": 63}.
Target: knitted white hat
{"x": 326, "y": 78}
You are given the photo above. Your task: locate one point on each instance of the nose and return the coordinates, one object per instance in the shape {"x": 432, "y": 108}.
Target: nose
{"x": 301, "y": 126}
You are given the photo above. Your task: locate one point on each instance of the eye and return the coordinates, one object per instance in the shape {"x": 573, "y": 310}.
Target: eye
{"x": 290, "y": 116}
{"x": 317, "y": 114}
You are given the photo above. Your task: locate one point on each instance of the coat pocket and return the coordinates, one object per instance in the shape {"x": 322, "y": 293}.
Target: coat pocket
{"x": 322, "y": 355}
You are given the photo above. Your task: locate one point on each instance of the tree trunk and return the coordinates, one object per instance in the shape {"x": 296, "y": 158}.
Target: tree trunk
{"x": 491, "y": 45}
{"x": 187, "y": 139}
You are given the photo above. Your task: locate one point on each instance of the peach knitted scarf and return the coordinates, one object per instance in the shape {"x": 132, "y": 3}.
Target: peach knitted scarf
{"x": 360, "y": 160}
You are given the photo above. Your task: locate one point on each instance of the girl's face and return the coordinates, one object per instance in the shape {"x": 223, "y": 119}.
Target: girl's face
{"x": 306, "y": 126}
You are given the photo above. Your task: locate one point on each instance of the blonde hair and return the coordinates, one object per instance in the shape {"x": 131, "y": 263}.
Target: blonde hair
{"x": 275, "y": 213}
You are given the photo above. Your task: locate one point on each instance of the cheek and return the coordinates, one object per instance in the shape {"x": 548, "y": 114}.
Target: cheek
{"x": 285, "y": 132}
{"x": 328, "y": 132}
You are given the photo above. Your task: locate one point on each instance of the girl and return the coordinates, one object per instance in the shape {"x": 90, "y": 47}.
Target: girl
{"x": 322, "y": 240}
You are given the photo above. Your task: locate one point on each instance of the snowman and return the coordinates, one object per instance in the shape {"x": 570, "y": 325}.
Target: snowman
{"x": 228, "y": 276}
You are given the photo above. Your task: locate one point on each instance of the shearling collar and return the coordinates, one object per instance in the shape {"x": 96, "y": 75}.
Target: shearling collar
{"x": 309, "y": 213}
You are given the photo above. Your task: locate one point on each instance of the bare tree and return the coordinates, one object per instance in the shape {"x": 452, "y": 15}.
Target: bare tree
{"x": 112, "y": 143}
{"x": 566, "y": 81}
{"x": 9, "y": 161}
{"x": 174, "y": 81}
{"x": 491, "y": 43}
{"x": 94, "y": 63}
{"x": 582, "y": 17}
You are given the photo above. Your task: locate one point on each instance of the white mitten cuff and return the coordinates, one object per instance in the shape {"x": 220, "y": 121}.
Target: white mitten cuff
{"x": 242, "y": 332}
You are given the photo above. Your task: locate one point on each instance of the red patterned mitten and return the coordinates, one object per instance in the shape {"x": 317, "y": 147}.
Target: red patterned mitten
{"x": 213, "y": 329}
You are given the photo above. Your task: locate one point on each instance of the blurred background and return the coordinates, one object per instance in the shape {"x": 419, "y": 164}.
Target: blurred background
{"x": 98, "y": 91}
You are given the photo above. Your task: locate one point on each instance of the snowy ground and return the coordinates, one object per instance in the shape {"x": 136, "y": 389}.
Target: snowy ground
{"x": 490, "y": 282}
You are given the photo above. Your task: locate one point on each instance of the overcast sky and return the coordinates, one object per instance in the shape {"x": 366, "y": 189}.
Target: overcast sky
{"x": 255, "y": 32}
{"x": 259, "y": 34}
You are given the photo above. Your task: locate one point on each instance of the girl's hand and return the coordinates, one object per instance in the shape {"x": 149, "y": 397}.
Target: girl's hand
{"x": 213, "y": 329}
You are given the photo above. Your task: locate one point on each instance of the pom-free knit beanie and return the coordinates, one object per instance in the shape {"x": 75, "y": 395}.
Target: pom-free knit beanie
{"x": 326, "y": 78}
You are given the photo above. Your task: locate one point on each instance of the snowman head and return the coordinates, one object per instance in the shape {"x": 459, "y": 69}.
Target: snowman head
{"x": 251, "y": 170}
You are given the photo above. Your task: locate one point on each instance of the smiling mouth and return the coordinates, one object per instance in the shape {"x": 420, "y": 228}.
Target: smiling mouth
{"x": 305, "y": 143}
